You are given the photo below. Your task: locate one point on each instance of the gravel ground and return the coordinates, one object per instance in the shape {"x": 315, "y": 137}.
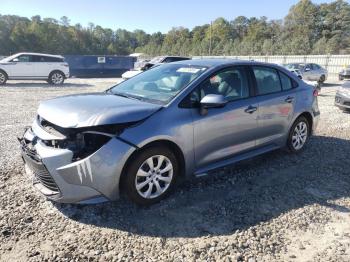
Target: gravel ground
{"x": 276, "y": 207}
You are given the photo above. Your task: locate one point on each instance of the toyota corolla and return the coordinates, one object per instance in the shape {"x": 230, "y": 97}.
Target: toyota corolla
{"x": 163, "y": 126}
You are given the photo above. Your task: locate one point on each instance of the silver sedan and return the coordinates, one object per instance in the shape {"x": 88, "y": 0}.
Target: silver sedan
{"x": 310, "y": 72}
{"x": 163, "y": 126}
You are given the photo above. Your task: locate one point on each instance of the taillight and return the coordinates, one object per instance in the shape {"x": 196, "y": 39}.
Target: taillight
{"x": 315, "y": 93}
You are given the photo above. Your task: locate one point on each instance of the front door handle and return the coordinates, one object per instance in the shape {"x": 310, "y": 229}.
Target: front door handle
{"x": 251, "y": 109}
{"x": 289, "y": 99}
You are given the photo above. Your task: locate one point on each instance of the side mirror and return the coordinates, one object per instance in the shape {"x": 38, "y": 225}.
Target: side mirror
{"x": 212, "y": 101}
{"x": 15, "y": 60}
{"x": 300, "y": 76}
{"x": 307, "y": 69}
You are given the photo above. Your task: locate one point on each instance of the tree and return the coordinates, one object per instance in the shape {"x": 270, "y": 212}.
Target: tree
{"x": 308, "y": 28}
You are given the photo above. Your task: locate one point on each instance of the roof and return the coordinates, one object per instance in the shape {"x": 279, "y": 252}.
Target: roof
{"x": 213, "y": 62}
{"x": 28, "y": 53}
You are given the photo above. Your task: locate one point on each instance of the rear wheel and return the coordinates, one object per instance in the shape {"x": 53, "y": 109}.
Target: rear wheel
{"x": 322, "y": 79}
{"x": 3, "y": 77}
{"x": 298, "y": 135}
{"x": 151, "y": 176}
{"x": 56, "y": 78}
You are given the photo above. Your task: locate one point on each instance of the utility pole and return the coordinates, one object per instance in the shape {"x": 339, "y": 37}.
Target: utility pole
{"x": 210, "y": 37}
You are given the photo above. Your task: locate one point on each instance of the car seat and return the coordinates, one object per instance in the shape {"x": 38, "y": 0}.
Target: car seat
{"x": 231, "y": 86}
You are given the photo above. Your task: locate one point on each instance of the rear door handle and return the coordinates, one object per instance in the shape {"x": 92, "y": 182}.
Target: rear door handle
{"x": 251, "y": 109}
{"x": 289, "y": 99}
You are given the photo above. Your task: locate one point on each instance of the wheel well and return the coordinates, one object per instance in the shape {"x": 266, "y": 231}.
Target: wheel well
{"x": 308, "y": 117}
{"x": 57, "y": 71}
{"x": 164, "y": 143}
{"x": 4, "y": 72}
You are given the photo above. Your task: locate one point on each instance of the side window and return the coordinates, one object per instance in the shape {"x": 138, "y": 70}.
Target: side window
{"x": 37, "y": 58}
{"x": 308, "y": 67}
{"x": 169, "y": 60}
{"x": 53, "y": 59}
{"x": 315, "y": 67}
{"x": 286, "y": 81}
{"x": 24, "y": 58}
{"x": 231, "y": 83}
{"x": 267, "y": 80}
{"x": 175, "y": 59}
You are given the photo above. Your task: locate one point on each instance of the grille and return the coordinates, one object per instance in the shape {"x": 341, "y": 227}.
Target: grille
{"x": 39, "y": 170}
{"x": 347, "y": 103}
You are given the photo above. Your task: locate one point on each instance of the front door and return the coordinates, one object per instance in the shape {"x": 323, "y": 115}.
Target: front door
{"x": 21, "y": 67}
{"x": 224, "y": 132}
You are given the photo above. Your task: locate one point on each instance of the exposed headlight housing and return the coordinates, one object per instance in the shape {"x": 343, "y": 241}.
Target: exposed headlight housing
{"x": 82, "y": 141}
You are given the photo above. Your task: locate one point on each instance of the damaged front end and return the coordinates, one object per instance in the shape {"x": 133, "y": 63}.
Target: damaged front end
{"x": 75, "y": 164}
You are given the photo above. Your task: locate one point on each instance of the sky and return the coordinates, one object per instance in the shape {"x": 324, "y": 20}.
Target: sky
{"x": 150, "y": 16}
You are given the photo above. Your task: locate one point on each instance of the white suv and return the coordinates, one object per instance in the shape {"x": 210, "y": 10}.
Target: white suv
{"x": 34, "y": 66}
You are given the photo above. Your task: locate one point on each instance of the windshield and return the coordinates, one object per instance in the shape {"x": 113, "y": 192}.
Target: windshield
{"x": 9, "y": 58}
{"x": 160, "y": 84}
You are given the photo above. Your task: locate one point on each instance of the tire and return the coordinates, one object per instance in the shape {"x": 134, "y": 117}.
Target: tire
{"x": 299, "y": 125}
{"x": 56, "y": 78}
{"x": 3, "y": 77}
{"x": 322, "y": 79}
{"x": 139, "y": 172}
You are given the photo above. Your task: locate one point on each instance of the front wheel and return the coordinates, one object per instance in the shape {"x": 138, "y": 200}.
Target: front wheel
{"x": 151, "y": 176}
{"x": 298, "y": 135}
{"x": 56, "y": 78}
{"x": 3, "y": 78}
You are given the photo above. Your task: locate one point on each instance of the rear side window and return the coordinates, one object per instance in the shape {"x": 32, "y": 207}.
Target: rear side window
{"x": 286, "y": 82}
{"x": 47, "y": 59}
{"x": 175, "y": 59}
{"x": 53, "y": 59}
{"x": 169, "y": 60}
{"x": 267, "y": 80}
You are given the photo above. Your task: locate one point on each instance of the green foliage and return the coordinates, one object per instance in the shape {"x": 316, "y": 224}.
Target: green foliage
{"x": 307, "y": 29}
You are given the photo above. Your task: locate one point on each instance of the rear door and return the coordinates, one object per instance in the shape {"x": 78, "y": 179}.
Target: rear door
{"x": 225, "y": 132}
{"x": 44, "y": 65}
{"x": 276, "y": 99}
{"x": 317, "y": 72}
{"x": 308, "y": 73}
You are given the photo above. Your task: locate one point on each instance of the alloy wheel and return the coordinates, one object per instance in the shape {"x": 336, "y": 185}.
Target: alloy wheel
{"x": 2, "y": 78}
{"x": 154, "y": 176}
{"x": 57, "y": 78}
{"x": 300, "y": 135}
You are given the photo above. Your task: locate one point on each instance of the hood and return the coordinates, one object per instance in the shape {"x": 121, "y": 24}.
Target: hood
{"x": 87, "y": 110}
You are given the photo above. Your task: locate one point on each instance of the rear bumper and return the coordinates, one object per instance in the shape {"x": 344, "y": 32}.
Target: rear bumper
{"x": 316, "y": 120}
{"x": 67, "y": 74}
{"x": 89, "y": 180}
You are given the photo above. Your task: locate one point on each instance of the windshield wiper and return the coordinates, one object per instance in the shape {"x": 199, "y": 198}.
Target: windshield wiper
{"x": 127, "y": 96}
